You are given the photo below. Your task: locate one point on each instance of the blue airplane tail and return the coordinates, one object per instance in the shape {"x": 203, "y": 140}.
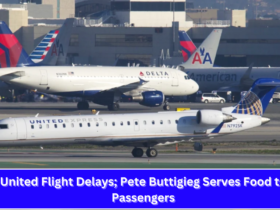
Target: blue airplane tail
{"x": 12, "y": 53}
{"x": 257, "y": 98}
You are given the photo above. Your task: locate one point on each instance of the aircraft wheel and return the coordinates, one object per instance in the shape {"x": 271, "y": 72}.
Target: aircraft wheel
{"x": 114, "y": 107}
{"x": 83, "y": 105}
{"x": 166, "y": 107}
{"x": 152, "y": 152}
{"x": 137, "y": 152}
{"x": 198, "y": 146}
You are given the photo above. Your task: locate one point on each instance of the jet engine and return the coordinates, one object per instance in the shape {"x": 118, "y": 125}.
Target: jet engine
{"x": 212, "y": 117}
{"x": 150, "y": 98}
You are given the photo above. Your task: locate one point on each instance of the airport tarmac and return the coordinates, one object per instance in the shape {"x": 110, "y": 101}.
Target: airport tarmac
{"x": 123, "y": 159}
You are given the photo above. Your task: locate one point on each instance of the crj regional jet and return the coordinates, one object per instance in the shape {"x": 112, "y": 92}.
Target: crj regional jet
{"x": 142, "y": 130}
{"x": 50, "y": 52}
{"x": 219, "y": 78}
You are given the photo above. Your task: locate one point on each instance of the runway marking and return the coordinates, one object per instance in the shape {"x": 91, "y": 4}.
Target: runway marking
{"x": 35, "y": 164}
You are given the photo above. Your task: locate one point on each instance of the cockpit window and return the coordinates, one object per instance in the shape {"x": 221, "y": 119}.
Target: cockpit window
{"x": 186, "y": 77}
{"x": 3, "y": 126}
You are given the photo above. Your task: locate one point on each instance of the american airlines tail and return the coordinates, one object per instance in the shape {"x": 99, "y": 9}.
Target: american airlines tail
{"x": 51, "y": 51}
{"x": 40, "y": 52}
{"x": 187, "y": 46}
{"x": 205, "y": 55}
{"x": 57, "y": 53}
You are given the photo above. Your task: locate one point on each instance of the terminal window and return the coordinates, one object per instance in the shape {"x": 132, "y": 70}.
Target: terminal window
{"x": 120, "y": 6}
{"x": 124, "y": 40}
{"x": 74, "y": 40}
{"x": 157, "y": 6}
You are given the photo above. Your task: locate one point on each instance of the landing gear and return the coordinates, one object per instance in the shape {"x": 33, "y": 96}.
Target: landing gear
{"x": 83, "y": 105}
{"x": 198, "y": 146}
{"x": 151, "y": 152}
{"x": 137, "y": 152}
{"x": 166, "y": 107}
{"x": 114, "y": 107}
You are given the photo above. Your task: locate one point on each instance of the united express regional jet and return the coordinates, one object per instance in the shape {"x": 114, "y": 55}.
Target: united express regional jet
{"x": 142, "y": 130}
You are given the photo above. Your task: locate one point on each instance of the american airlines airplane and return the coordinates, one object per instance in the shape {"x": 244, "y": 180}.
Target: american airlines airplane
{"x": 209, "y": 77}
{"x": 142, "y": 130}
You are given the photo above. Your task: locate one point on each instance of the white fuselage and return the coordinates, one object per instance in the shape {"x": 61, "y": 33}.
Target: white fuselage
{"x": 120, "y": 129}
{"x": 87, "y": 81}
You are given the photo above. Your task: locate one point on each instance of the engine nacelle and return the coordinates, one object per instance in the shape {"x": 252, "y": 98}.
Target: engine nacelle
{"x": 150, "y": 98}
{"x": 212, "y": 117}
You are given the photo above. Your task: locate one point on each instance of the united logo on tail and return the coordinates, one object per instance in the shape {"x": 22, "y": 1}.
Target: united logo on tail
{"x": 250, "y": 104}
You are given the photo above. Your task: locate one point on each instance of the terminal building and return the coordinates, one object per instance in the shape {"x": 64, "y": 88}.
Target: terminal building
{"x": 127, "y": 32}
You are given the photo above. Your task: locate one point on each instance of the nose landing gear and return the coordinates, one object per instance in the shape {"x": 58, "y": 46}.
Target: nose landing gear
{"x": 83, "y": 105}
{"x": 114, "y": 107}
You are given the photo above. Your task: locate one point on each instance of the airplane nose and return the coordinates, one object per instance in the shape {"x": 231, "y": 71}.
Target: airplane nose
{"x": 195, "y": 86}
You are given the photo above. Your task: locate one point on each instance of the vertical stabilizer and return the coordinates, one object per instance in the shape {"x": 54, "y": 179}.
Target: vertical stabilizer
{"x": 40, "y": 52}
{"x": 12, "y": 53}
{"x": 205, "y": 54}
{"x": 257, "y": 98}
{"x": 187, "y": 46}
{"x": 57, "y": 53}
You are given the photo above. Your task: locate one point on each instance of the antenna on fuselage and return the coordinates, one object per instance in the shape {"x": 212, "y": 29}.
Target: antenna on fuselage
{"x": 97, "y": 113}
{"x": 37, "y": 115}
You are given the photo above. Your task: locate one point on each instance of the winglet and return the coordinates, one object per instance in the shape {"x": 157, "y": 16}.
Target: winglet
{"x": 142, "y": 82}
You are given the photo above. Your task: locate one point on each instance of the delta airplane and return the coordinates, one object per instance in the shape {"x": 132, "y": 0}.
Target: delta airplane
{"x": 104, "y": 85}
{"x": 50, "y": 52}
{"x": 142, "y": 130}
{"x": 209, "y": 77}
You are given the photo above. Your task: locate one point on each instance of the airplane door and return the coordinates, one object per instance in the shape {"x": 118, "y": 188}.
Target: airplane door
{"x": 44, "y": 77}
{"x": 21, "y": 129}
{"x": 175, "y": 81}
{"x": 121, "y": 78}
{"x": 136, "y": 125}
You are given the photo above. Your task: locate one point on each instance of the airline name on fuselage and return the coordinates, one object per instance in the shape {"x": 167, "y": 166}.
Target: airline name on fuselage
{"x": 220, "y": 77}
{"x": 155, "y": 73}
{"x": 65, "y": 121}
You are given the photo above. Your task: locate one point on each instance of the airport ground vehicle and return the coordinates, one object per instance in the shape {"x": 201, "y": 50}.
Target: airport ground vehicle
{"x": 210, "y": 98}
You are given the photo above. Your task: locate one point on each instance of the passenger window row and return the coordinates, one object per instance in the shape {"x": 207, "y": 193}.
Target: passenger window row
{"x": 72, "y": 125}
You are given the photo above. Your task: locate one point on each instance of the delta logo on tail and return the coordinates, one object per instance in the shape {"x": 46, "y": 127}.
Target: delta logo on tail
{"x": 11, "y": 51}
{"x": 202, "y": 57}
{"x": 187, "y": 46}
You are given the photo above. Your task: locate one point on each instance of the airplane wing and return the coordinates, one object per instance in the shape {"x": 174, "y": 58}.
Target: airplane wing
{"x": 8, "y": 72}
{"x": 159, "y": 139}
{"x": 246, "y": 80}
{"x": 123, "y": 87}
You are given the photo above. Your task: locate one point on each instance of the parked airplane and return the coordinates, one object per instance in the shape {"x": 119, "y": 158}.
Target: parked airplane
{"x": 142, "y": 130}
{"x": 104, "y": 85}
{"x": 12, "y": 54}
{"x": 202, "y": 57}
{"x": 222, "y": 79}
{"x": 55, "y": 48}
{"x": 187, "y": 45}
